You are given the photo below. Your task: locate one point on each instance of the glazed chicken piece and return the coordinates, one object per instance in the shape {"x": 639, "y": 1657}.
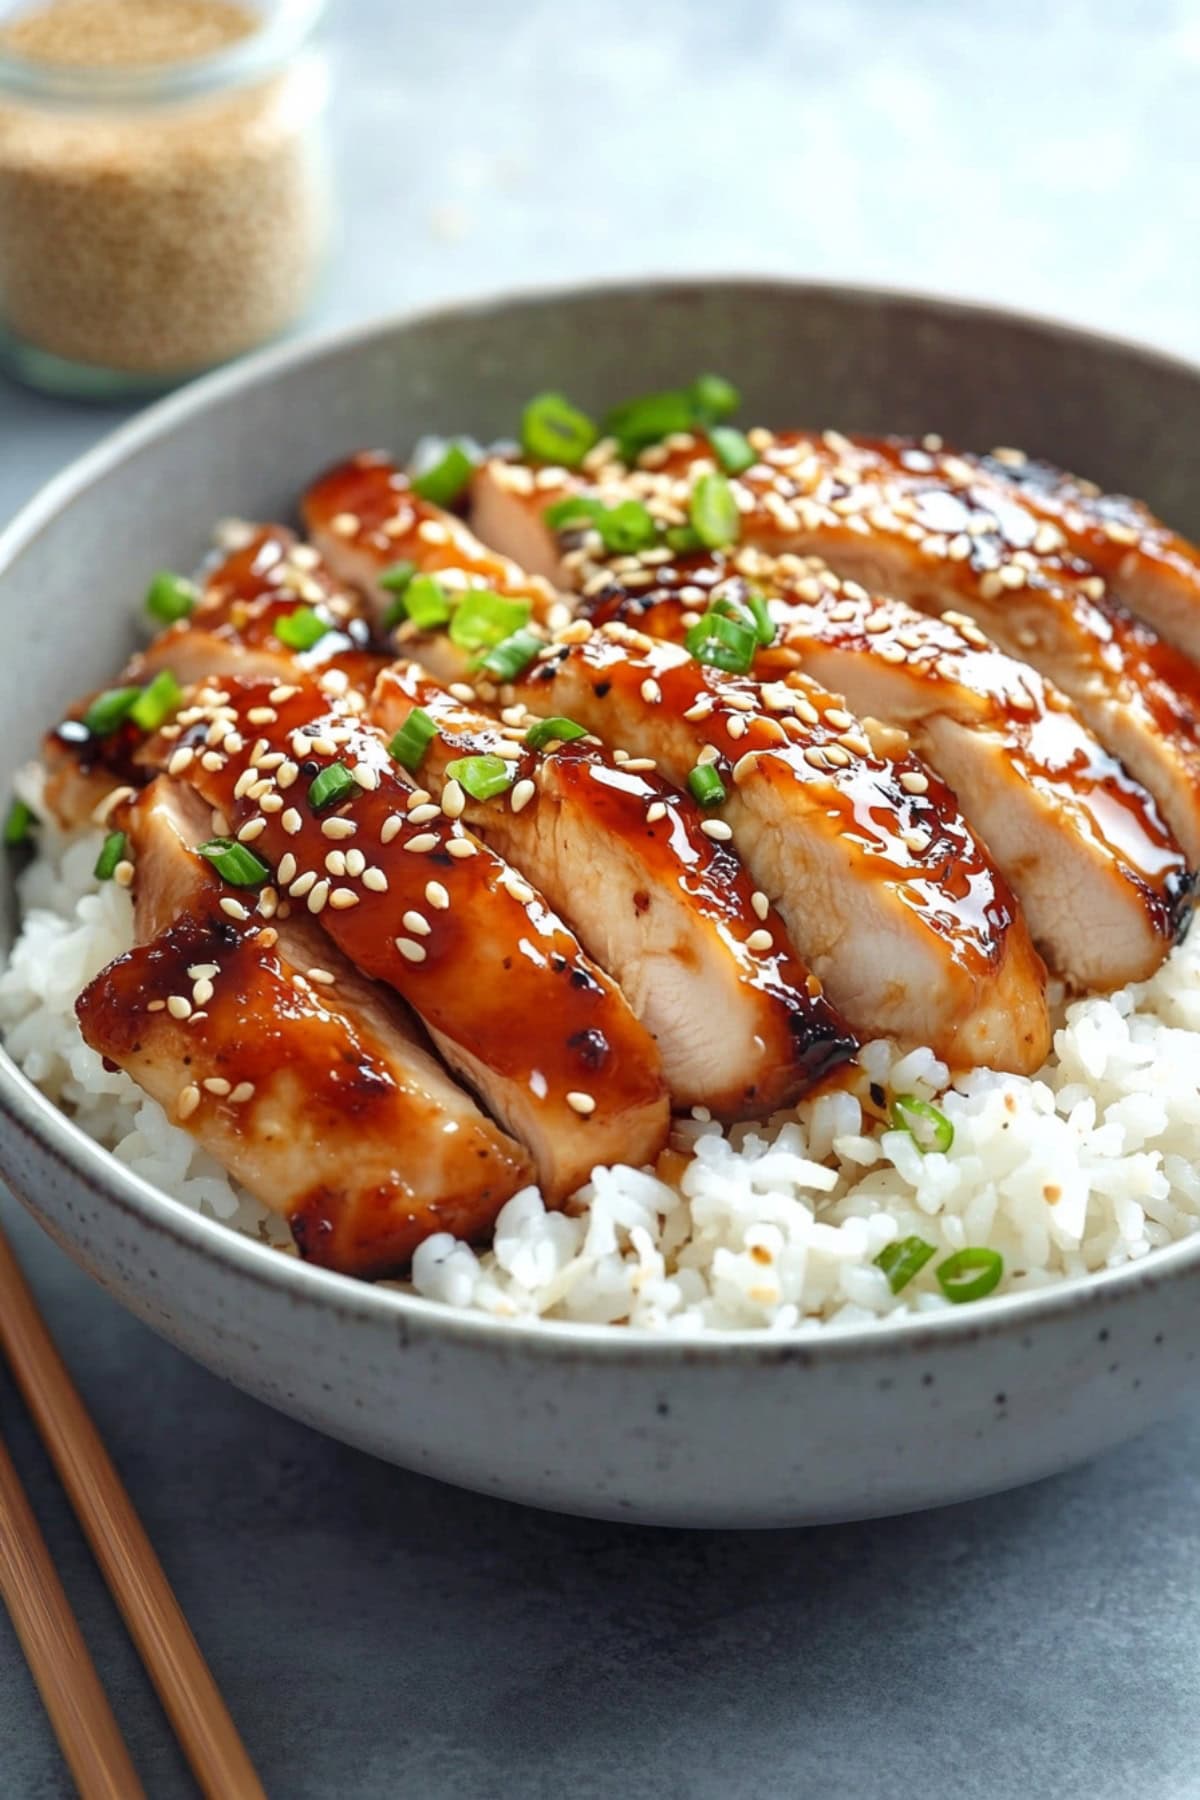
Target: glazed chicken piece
{"x": 915, "y": 524}
{"x": 667, "y": 909}
{"x": 311, "y": 1085}
{"x": 266, "y": 583}
{"x": 415, "y": 901}
{"x": 1076, "y": 836}
{"x": 883, "y": 888}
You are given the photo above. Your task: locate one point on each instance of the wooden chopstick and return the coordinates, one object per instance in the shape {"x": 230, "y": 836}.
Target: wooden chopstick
{"x": 83, "y": 1722}
{"x": 155, "y": 1620}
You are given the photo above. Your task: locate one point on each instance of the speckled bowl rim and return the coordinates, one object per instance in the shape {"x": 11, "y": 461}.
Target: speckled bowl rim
{"x": 26, "y": 1109}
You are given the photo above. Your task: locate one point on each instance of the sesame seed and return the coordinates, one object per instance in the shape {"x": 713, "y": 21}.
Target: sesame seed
{"x": 212, "y": 762}
{"x": 423, "y": 843}
{"x": 391, "y": 825}
{"x": 837, "y": 719}
{"x": 233, "y": 909}
{"x": 759, "y": 940}
{"x": 279, "y": 694}
{"x": 522, "y": 794}
{"x": 322, "y": 976}
{"x": 651, "y": 692}
{"x": 717, "y": 828}
{"x": 737, "y": 727}
{"x": 437, "y": 895}
{"x": 421, "y": 815}
{"x": 760, "y": 903}
{"x": 203, "y": 992}
{"x": 917, "y": 841}
{"x": 268, "y": 902}
{"x": 814, "y": 756}
{"x": 268, "y": 937}
{"x": 1093, "y": 587}
{"x": 356, "y": 862}
{"x": 286, "y": 774}
{"x": 417, "y": 923}
{"x": 462, "y": 690}
{"x": 708, "y": 754}
{"x": 701, "y": 710}
{"x": 291, "y": 821}
{"x": 303, "y": 884}
{"x": 178, "y": 1006}
{"x": 156, "y": 1006}
{"x": 341, "y": 899}
{"x": 1120, "y": 534}
{"x": 261, "y": 715}
{"x": 335, "y": 862}
{"x": 453, "y": 800}
{"x": 410, "y": 950}
{"x": 640, "y": 765}
{"x": 990, "y": 585}
{"x": 242, "y": 1092}
{"x": 253, "y": 828}
{"x": 338, "y": 827}
{"x": 366, "y": 776}
{"x": 745, "y": 766}
{"x": 123, "y": 873}
{"x": 375, "y": 879}
{"x": 345, "y": 524}
{"x": 418, "y": 797}
{"x": 188, "y": 1101}
{"x": 180, "y": 759}
{"x": 836, "y": 755}
{"x": 271, "y": 803}
{"x": 655, "y": 812}
{"x": 217, "y": 1084}
{"x": 460, "y": 848}
{"x": 584, "y": 1104}
{"x": 318, "y": 897}
{"x": 520, "y": 890}
{"x": 914, "y": 782}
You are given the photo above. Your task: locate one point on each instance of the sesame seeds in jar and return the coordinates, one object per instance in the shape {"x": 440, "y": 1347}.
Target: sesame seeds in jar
{"x": 162, "y": 195}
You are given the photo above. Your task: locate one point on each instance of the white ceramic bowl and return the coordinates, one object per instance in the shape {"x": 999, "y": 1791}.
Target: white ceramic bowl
{"x": 732, "y": 1430}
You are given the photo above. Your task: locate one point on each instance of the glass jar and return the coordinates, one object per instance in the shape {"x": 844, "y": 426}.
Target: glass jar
{"x": 156, "y": 217}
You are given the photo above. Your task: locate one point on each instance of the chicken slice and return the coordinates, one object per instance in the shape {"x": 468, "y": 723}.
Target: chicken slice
{"x": 308, "y": 1083}
{"x": 412, "y": 899}
{"x": 741, "y": 1025}
{"x": 884, "y": 890}
{"x": 1076, "y": 836}
{"x": 904, "y": 520}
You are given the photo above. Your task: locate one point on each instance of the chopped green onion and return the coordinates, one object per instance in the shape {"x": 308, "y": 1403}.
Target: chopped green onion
{"x": 301, "y": 628}
{"x": 331, "y": 785}
{"x": 906, "y": 1107}
{"x": 19, "y": 824}
{"x": 234, "y": 863}
{"x": 548, "y": 731}
{"x": 482, "y": 619}
{"x": 713, "y": 398}
{"x": 112, "y": 851}
{"x": 109, "y": 710}
{"x": 649, "y": 419}
{"x": 395, "y": 581}
{"x": 903, "y": 1259}
{"x": 554, "y": 431}
{"x": 169, "y": 597}
{"x": 576, "y": 510}
{"x": 732, "y": 449}
{"x": 627, "y": 528}
{"x": 969, "y": 1274}
{"x": 413, "y": 739}
{"x": 713, "y": 511}
{"x": 483, "y": 777}
{"x": 764, "y": 625}
{"x": 449, "y": 475}
{"x": 683, "y": 539}
{"x": 722, "y": 643}
{"x": 157, "y": 701}
{"x": 426, "y": 603}
{"x": 707, "y": 787}
{"x": 506, "y": 660}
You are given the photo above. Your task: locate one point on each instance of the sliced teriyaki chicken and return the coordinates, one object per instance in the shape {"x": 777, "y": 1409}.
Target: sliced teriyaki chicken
{"x": 269, "y": 608}
{"x": 312, "y": 1086}
{"x": 938, "y": 535}
{"x": 504, "y": 988}
{"x": 884, "y": 890}
{"x": 668, "y": 910}
{"x": 367, "y": 521}
{"x": 1103, "y": 884}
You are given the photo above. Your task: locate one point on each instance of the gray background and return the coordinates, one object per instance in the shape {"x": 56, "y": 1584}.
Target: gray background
{"x": 379, "y": 1635}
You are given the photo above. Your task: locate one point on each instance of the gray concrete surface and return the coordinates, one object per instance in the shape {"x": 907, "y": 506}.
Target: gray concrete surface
{"x": 380, "y": 1636}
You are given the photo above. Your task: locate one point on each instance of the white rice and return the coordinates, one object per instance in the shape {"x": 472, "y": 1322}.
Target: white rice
{"x": 776, "y": 1225}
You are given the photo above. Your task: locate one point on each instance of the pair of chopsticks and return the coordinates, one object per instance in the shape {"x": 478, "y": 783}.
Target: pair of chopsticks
{"x": 83, "y": 1721}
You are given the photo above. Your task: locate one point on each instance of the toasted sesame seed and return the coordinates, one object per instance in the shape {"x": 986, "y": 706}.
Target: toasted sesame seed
{"x": 253, "y": 828}
{"x": 520, "y": 890}
{"x": 701, "y": 709}
{"x": 991, "y": 586}
{"x": 268, "y": 937}
{"x": 318, "y": 897}
{"x": 522, "y": 794}
{"x": 914, "y": 782}
{"x": 123, "y": 873}
{"x": 366, "y": 776}
{"x": 335, "y": 862}
{"x": 188, "y": 1101}
{"x": 203, "y": 992}
{"x": 837, "y": 719}
{"x": 345, "y": 524}
{"x": 1093, "y": 587}
{"x": 759, "y": 940}
{"x": 916, "y": 840}
{"x": 356, "y": 862}
{"x": 342, "y": 898}
{"x": 338, "y": 828}
{"x": 242, "y": 1092}
{"x": 462, "y": 690}
{"x": 233, "y": 909}
{"x": 460, "y": 848}
{"x": 760, "y": 903}
{"x": 418, "y": 797}
{"x": 421, "y": 815}
{"x": 814, "y": 756}
{"x": 640, "y": 765}
{"x": 156, "y": 1006}
{"x": 391, "y": 825}
{"x": 744, "y": 766}
{"x": 261, "y": 715}
{"x": 437, "y": 896}
{"x": 453, "y": 800}
{"x": 286, "y": 774}
{"x": 322, "y": 977}
{"x": 180, "y": 759}
{"x": 217, "y": 1084}
{"x": 836, "y": 755}
{"x": 716, "y": 828}
{"x": 279, "y": 694}
{"x": 410, "y": 950}
{"x": 651, "y": 692}
{"x": 179, "y": 1006}
{"x": 708, "y": 754}
{"x": 212, "y": 762}
{"x": 655, "y": 812}
{"x": 375, "y": 879}
{"x": 291, "y": 821}
{"x": 582, "y": 1103}
{"x": 1120, "y": 534}
{"x": 268, "y": 902}
{"x": 417, "y": 923}
{"x": 303, "y": 884}
{"x": 422, "y": 843}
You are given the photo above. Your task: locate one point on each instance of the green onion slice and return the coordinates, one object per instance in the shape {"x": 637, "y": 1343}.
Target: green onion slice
{"x": 413, "y": 739}
{"x": 112, "y": 852}
{"x": 157, "y": 702}
{"x": 626, "y": 528}
{"x": 713, "y": 398}
{"x": 427, "y": 603}
{"x": 19, "y": 824}
{"x": 554, "y": 431}
{"x": 574, "y": 512}
{"x": 970, "y": 1274}
{"x": 483, "y": 777}
{"x": 332, "y": 785}
{"x": 506, "y": 660}
{"x": 707, "y": 787}
{"x": 764, "y": 625}
{"x": 649, "y": 419}
{"x": 549, "y": 731}
{"x": 170, "y": 597}
{"x": 445, "y": 480}
{"x": 110, "y": 710}
{"x": 938, "y": 1131}
{"x": 722, "y": 643}
{"x": 482, "y": 619}
{"x": 713, "y": 511}
{"x": 683, "y": 539}
{"x": 732, "y": 449}
{"x": 301, "y": 628}
{"x": 234, "y": 863}
{"x": 395, "y": 581}
{"x": 902, "y": 1260}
